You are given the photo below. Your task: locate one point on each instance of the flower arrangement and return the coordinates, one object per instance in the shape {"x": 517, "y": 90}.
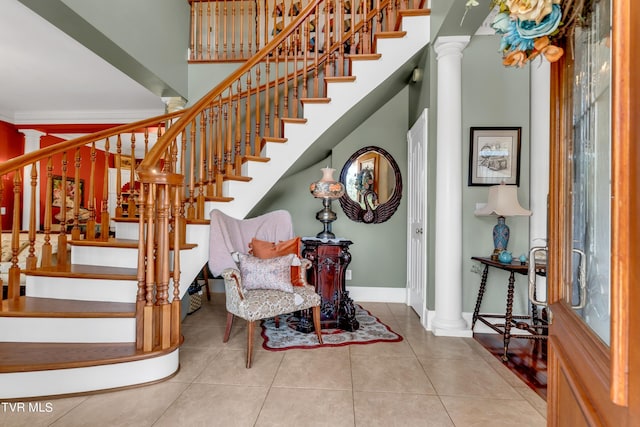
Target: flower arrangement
{"x": 529, "y": 28}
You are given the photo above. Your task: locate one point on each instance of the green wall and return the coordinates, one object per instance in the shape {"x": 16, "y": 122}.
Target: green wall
{"x": 381, "y": 245}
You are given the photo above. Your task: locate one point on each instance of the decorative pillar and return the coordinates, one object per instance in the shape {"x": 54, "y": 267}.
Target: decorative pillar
{"x": 539, "y": 159}
{"x": 448, "y": 319}
{"x": 31, "y": 143}
{"x": 174, "y": 103}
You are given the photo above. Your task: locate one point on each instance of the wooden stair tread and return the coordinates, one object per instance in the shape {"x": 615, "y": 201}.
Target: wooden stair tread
{"x": 237, "y": 178}
{"x": 120, "y": 243}
{"x": 315, "y": 100}
{"x": 365, "y": 56}
{"x": 125, "y": 219}
{"x": 28, "y": 357}
{"x": 340, "y": 79}
{"x": 293, "y": 120}
{"x": 197, "y": 221}
{"x": 218, "y": 199}
{"x": 64, "y": 308}
{"x": 390, "y": 34}
{"x": 274, "y": 139}
{"x": 85, "y": 272}
{"x": 255, "y": 159}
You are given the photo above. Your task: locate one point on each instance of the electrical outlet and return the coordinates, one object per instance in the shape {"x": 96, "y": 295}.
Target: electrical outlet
{"x": 3, "y": 211}
{"x": 347, "y": 275}
{"x": 475, "y": 268}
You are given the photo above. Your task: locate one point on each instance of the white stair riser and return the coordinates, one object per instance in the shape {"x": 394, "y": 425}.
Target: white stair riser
{"x": 72, "y": 330}
{"x": 107, "y": 256}
{"x": 344, "y": 96}
{"x": 127, "y": 230}
{"x": 79, "y": 380}
{"x": 81, "y": 289}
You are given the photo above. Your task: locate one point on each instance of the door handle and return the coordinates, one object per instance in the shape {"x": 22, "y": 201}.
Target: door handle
{"x": 532, "y": 275}
{"x": 582, "y": 280}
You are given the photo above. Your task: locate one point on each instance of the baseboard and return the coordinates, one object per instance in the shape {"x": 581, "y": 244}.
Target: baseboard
{"x": 375, "y": 294}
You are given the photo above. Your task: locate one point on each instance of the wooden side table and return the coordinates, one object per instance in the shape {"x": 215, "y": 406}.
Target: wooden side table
{"x": 534, "y": 325}
{"x": 329, "y": 261}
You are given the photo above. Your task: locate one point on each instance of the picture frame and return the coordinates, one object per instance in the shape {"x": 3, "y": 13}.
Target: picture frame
{"x": 57, "y": 192}
{"x": 494, "y": 156}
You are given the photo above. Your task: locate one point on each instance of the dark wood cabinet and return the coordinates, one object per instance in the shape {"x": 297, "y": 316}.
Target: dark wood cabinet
{"x": 329, "y": 259}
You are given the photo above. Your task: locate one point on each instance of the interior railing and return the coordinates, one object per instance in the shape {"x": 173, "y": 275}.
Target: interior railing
{"x": 186, "y": 157}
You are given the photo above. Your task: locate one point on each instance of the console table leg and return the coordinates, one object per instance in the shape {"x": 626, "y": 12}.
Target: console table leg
{"x": 483, "y": 285}
{"x": 508, "y": 316}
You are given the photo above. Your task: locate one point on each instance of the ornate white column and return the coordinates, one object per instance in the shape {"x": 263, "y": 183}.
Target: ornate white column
{"x": 31, "y": 143}
{"x": 539, "y": 159}
{"x": 174, "y": 103}
{"x": 448, "y": 319}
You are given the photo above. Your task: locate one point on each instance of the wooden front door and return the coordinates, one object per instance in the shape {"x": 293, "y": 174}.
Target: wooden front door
{"x": 594, "y": 217}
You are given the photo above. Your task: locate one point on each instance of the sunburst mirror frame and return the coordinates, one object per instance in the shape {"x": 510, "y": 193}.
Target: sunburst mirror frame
{"x": 383, "y": 211}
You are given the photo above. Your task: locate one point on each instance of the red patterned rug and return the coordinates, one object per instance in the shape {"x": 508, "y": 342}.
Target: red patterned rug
{"x": 285, "y": 337}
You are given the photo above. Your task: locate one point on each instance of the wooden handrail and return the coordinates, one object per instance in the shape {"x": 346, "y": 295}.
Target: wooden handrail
{"x": 35, "y": 156}
{"x": 154, "y": 156}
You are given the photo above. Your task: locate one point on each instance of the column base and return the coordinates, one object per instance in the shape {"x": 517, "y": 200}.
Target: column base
{"x": 451, "y": 328}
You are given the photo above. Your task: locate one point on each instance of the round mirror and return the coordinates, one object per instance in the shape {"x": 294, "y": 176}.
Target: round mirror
{"x": 373, "y": 186}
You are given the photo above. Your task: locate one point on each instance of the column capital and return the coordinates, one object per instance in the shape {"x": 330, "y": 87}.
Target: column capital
{"x": 174, "y": 103}
{"x": 31, "y": 139}
{"x": 450, "y": 45}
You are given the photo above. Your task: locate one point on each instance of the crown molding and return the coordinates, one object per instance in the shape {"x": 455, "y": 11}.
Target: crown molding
{"x": 80, "y": 117}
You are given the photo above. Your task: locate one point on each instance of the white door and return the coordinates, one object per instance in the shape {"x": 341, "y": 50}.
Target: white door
{"x": 417, "y": 218}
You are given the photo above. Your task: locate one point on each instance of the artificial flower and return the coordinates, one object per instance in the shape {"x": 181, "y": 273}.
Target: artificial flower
{"x": 551, "y": 53}
{"x": 511, "y": 40}
{"x": 533, "y": 29}
{"x": 515, "y": 58}
{"x": 530, "y": 10}
{"x": 501, "y": 23}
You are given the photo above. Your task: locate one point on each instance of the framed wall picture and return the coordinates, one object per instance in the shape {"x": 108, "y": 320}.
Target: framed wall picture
{"x": 494, "y": 155}
{"x": 58, "y": 192}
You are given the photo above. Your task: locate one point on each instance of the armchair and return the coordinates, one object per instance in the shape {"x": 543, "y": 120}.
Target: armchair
{"x": 251, "y": 303}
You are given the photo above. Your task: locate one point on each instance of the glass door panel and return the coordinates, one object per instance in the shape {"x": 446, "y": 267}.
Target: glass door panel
{"x": 591, "y": 167}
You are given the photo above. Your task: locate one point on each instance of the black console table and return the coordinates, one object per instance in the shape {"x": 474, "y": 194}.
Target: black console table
{"x": 534, "y": 325}
{"x": 329, "y": 260}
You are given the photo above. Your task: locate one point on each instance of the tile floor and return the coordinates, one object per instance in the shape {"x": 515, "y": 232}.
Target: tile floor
{"x": 421, "y": 381}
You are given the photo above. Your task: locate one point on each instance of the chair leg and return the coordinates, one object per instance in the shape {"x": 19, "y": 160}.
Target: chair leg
{"x": 205, "y": 274}
{"x": 227, "y": 330}
{"x": 316, "y": 322}
{"x": 250, "y": 326}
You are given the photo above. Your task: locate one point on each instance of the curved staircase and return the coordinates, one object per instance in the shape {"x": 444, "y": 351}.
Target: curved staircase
{"x": 75, "y": 328}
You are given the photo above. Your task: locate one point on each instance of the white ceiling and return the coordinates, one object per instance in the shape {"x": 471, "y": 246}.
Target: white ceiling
{"x": 46, "y": 77}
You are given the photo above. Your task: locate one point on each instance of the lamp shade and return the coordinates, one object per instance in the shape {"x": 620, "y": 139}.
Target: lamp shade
{"x": 503, "y": 201}
{"x": 327, "y": 187}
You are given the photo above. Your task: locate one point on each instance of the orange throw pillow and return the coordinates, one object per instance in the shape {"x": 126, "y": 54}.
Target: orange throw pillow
{"x": 264, "y": 249}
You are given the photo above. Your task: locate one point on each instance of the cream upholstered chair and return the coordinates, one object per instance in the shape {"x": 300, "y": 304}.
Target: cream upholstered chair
{"x": 254, "y": 292}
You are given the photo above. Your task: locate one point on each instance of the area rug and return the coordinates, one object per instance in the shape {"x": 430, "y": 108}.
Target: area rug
{"x": 285, "y": 337}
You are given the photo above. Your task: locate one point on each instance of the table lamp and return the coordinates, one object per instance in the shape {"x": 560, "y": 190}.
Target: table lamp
{"x": 503, "y": 201}
{"x": 326, "y": 189}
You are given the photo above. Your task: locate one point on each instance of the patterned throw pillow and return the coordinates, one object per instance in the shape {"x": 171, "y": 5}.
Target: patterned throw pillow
{"x": 271, "y": 273}
{"x": 264, "y": 249}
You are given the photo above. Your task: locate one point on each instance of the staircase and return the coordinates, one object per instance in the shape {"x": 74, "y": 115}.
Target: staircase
{"x": 76, "y": 328}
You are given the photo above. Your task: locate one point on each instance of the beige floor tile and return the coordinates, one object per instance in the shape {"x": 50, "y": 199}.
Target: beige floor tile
{"x": 229, "y": 367}
{"x": 476, "y": 412}
{"x": 389, "y": 374}
{"x": 36, "y": 413}
{"x": 193, "y": 361}
{"x": 310, "y": 408}
{"x": 376, "y": 308}
{"x": 322, "y": 368}
{"x": 210, "y": 405}
{"x": 399, "y": 309}
{"x": 401, "y": 410}
{"x": 427, "y": 345}
{"x": 136, "y": 407}
{"x": 534, "y": 399}
{"x": 452, "y": 377}
{"x": 400, "y": 349}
